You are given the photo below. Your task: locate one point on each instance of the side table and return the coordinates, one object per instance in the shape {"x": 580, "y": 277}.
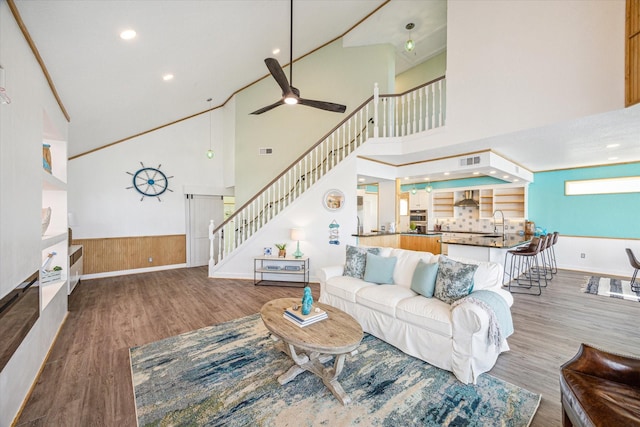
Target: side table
{"x": 276, "y": 271}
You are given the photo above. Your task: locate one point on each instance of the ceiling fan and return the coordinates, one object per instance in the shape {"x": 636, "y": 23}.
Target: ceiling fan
{"x": 290, "y": 94}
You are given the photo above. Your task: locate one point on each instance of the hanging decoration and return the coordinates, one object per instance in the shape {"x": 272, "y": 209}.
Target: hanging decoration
{"x": 150, "y": 182}
{"x": 334, "y": 233}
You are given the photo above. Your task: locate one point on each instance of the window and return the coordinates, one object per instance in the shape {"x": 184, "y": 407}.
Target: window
{"x": 627, "y": 184}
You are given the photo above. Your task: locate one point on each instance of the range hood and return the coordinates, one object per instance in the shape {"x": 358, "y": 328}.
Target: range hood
{"x": 467, "y": 201}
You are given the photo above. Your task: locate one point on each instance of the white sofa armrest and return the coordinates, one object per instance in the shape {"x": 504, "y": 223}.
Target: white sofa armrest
{"x": 473, "y": 350}
{"x": 327, "y": 273}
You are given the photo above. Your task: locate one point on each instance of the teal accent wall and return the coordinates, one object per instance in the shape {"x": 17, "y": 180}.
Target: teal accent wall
{"x": 454, "y": 183}
{"x": 598, "y": 215}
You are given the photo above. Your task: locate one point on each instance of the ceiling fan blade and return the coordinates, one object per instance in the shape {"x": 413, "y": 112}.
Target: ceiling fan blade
{"x": 323, "y": 105}
{"x": 278, "y": 74}
{"x": 268, "y": 107}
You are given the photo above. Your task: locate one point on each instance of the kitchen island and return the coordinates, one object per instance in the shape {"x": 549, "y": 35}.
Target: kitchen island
{"x": 426, "y": 242}
{"x": 483, "y": 247}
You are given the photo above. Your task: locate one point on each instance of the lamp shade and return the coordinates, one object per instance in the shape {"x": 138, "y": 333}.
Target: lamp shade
{"x": 297, "y": 234}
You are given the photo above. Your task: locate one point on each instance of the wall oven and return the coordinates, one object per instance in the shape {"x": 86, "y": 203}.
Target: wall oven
{"x": 419, "y": 218}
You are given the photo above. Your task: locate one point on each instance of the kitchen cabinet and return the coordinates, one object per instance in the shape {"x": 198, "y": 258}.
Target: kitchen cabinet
{"x": 418, "y": 201}
{"x": 443, "y": 204}
{"x": 379, "y": 240}
{"x": 421, "y": 243}
{"x": 511, "y": 201}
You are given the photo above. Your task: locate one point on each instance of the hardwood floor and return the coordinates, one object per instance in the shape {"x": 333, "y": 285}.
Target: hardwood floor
{"x": 87, "y": 381}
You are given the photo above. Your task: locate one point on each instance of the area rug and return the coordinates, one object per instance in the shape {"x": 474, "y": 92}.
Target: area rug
{"x": 613, "y": 288}
{"x": 227, "y": 375}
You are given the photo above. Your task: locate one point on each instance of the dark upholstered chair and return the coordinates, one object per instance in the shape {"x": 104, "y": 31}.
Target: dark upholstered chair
{"x": 600, "y": 389}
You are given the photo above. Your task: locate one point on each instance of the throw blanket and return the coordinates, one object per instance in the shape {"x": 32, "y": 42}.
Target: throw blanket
{"x": 500, "y": 322}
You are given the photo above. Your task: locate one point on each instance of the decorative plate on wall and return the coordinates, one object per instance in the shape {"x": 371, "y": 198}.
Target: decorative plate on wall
{"x": 333, "y": 200}
{"x": 150, "y": 182}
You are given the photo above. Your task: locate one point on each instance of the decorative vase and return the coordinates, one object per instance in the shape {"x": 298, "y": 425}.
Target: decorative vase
{"x": 307, "y": 301}
{"x": 282, "y": 253}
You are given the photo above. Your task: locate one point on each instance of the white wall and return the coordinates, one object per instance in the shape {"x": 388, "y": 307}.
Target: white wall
{"x": 309, "y": 214}
{"x": 333, "y": 73}
{"x": 104, "y": 207}
{"x": 523, "y": 64}
{"x": 21, "y": 134}
{"x": 602, "y": 256}
{"x": 386, "y": 203}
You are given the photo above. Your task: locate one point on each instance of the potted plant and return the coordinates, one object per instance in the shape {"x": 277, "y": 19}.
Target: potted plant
{"x": 282, "y": 251}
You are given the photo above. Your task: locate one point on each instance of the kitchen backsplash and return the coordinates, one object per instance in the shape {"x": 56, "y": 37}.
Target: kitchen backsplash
{"x": 466, "y": 219}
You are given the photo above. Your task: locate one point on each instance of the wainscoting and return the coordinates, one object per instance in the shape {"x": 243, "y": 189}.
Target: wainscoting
{"x": 128, "y": 253}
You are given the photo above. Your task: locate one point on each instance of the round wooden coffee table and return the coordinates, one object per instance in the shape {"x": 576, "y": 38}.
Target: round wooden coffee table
{"x": 312, "y": 346}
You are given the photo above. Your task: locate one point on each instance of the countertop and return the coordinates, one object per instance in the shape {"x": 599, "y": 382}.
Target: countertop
{"x": 473, "y": 239}
{"x": 376, "y": 234}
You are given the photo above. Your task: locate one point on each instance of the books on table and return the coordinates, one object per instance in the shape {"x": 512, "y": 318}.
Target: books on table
{"x": 317, "y": 314}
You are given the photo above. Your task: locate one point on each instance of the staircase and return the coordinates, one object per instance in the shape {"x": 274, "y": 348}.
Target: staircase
{"x": 381, "y": 116}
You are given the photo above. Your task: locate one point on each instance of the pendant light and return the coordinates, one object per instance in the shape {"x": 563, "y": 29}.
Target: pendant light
{"x": 409, "y": 45}
{"x": 210, "y": 151}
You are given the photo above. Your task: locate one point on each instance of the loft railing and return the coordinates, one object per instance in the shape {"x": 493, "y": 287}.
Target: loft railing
{"x": 417, "y": 110}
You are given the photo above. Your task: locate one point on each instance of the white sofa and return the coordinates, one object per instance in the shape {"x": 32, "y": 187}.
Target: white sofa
{"x": 453, "y": 339}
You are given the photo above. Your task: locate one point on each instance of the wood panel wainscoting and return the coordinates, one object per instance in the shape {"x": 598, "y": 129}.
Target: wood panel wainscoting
{"x": 103, "y": 255}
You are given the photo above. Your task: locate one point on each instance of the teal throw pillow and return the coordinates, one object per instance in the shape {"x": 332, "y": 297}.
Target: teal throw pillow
{"x": 454, "y": 279}
{"x": 424, "y": 278}
{"x": 379, "y": 269}
{"x": 356, "y": 260}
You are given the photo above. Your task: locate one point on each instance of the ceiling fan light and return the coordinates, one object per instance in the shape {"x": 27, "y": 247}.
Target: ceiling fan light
{"x": 291, "y": 100}
{"x": 409, "y": 45}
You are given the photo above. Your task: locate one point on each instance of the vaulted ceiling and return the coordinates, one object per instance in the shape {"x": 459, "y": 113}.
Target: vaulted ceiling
{"x": 114, "y": 89}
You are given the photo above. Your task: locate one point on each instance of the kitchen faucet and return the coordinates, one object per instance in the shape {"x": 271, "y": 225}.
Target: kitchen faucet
{"x": 495, "y": 225}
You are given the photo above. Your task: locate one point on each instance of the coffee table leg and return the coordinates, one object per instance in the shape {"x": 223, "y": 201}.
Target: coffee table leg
{"x": 330, "y": 379}
{"x": 295, "y": 370}
{"x": 314, "y": 364}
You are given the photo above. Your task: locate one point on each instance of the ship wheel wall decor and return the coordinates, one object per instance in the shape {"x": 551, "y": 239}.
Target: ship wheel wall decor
{"x": 150, "y": 182}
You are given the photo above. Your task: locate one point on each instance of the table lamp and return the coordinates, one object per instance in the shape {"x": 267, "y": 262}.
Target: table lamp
{"x": 297, "y": 235}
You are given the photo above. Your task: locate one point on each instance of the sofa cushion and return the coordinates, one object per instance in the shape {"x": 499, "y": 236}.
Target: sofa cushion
{"x": 428, "y": 313}
{"x": 379, "y": 269}
{"x": 356, "y": 260}
{"x": 407, "y": 261}
{"x": 488, "y": 274}
{"x": 454, "y": 279}
{"x": 345, "y": 287}
{"x": 424, "y": 278}
{"x": 383, "y": 298}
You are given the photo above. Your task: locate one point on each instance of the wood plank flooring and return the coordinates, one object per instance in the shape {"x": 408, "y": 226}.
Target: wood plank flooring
{"x": 87, "y": 379}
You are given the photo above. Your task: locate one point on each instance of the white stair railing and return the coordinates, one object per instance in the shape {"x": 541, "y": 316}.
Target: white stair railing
{"x": 418, "y": 110}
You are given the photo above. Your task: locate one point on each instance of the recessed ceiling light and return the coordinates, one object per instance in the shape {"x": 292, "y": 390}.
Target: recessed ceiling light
{"x": 505, "y": 176}
{"x": 446, "y": 173}
{"x": 275, "y": 51}
{"x": 167, "y": 77}
{"x": 613, "y": 145}
{"x": 476, "y": 173}
{"x": 406, "y": 178}
{"x": 361, "y": 179}
{"x": 516, "y": 180}
{"x": 492, "y": 172}
{"x": 613, "y": 158}
{"x": 127, "y": 34}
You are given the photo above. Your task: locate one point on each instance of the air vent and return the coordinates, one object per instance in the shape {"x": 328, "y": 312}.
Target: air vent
{"x": 266, "y": 151}
{"x": 470, "y": 161}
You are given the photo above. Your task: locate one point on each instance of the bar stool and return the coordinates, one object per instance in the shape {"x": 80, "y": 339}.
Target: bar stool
{"x": 635, "y": 287}
{"x": 524, "y": 263}
{"x": 553, "y": 252}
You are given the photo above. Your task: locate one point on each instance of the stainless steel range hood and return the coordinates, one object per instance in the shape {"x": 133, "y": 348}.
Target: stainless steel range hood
{"x": 467, "y": 201}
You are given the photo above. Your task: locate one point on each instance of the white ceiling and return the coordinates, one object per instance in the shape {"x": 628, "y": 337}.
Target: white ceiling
{"x": 113, "y": 89}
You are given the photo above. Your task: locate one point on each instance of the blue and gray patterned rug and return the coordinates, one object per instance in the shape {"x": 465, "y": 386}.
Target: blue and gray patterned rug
{"x": 226, "y": 375}
{"x": 610, "y": 287}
